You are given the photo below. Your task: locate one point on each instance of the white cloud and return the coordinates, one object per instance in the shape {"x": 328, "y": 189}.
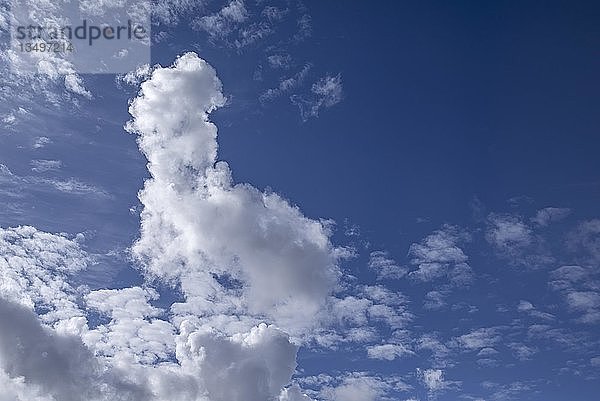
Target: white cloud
{"x": 279, "y": 61}
{"x": 222, "y": 23}
{"x": 286, "y": 85}
{"x": 435, "y": 300}
{"x": 522, "y": 352}
{"x": 549, "y": 215}
{"x": 134, "y": 329}
{"x": 58, "y": 366}
{"x": 40, "y": 166}
{"x": 515, "y": 241}
{"x": 388, "y": 351}
{"x": 34, "y": 270}
{"x": 252, "y": 366}
{"x": 479, "y": 338}
{"x": 531, "y": 310}
{"x": 506, "y": 232}
{"x": 433, "y": 380}
{"x": 438, "y": 255}
{"x": 385, "y": 267}
{"x": 440, "y": 352}
{"x": 585, "y": 241}
{"x": 360, "y": 387}
{"x": 233, "y": 249}
{"x": 19, "y": 184}
{"x": 580, "y": 288}
{"x": 325, "y": 93}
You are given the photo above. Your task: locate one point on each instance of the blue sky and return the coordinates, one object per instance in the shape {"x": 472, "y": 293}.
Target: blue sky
{"x": 332, "y": 201}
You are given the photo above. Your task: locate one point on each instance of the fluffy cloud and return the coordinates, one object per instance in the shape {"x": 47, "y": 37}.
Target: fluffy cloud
{"x": 478, "y": 339}
{"x": 251, "y": 366}
{"x": 585, "y": 241}
{"x": 38, "y": 361}
{"x": 549, "y": 215}
{"x": 580, "y": 288}
{"x": 232, "y": 248}
{"x": 360, "y": 386}
{"x": 325, "y": 93}
{"x": 385, "y": 267}
{"x": 35, "y": 268}
{"x": 515, "y": 240}
{"x": 508, "y": 232}
{"x": 238, "y": 255}
{"x": 388, "y": 351}
{"x": 439, "y": 255}
{"x": 433, "y": 380}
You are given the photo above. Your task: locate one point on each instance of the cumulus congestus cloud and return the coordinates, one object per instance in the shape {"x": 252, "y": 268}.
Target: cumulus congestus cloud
{"x": 244, "y": 260}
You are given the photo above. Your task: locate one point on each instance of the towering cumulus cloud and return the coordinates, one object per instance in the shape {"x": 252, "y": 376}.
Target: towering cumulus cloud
{"x": 252, "y": 270}
{"x": 233, "y": 249}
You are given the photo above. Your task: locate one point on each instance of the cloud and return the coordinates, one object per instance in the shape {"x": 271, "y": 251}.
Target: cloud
{"x": 232, "y": 248}
{"x": 18, "y": 185}
{"x": 134, "y": 330}
{"x": 580, "y": 288}
{"x": 440, "y": 352}
{"x": 514, "y": 240}
{"x": 478, "y": 339}
{"x": 279, "y": 61}
{"x": 35, "y": 268}
{"x": 385, "y": 267}
{"x": 325, "y": 93}
{"x": 286, "y": 85}
{"x": 251, "y": 366}
{"x": 41, "y": 166}
{"x": 359, "y": 386}
{"x": 434, "y": 382}
{"x": 585, "y": 240}
{"x": 438, "y": 255}
{"x": 546, "y": 216}
{"x": 530, "y": 309}
{"x": 222, "y": 23}
{"x": 508, "y": 233}
{"x": 435, "y": 300}
{"x": 55, "y": 365}
{"x": 388, "y": 351}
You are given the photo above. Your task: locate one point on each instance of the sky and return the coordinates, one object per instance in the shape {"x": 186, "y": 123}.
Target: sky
{"x": 296, "y": 201}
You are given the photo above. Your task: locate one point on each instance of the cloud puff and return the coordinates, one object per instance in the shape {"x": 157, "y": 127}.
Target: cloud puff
{"x": 35, "y": 268}
{"x": 549, "y": 215}
{"x": 485, "y": 337}
{"x": 433, "y": 380}
{"x": 515, "y": 240}
{"x": 359, "y": 386}
{"x": 438, "y": 255}
{"x": 580, "y": 288}
{"x": 385, "y": 267}
{"x": 232, "y": 248}
{"x": 325, "y": 93}
{"x": 388, "y": 351}
{"x": 56, "y": 366}
{"x": 251, "y": 366}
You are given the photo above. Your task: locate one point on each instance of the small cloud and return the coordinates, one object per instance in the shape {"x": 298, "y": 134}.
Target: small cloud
{"x": 279, "y": 61}
{"x": 285, "y": 85}
{"x": 41, "y": 141}
{"x": 385, "y": 267}
{"x": 433, "y": 380}
{"x": 549, "y": 215}
{"x": 388, "y": 352}
{"x": 40, "y": 166}
{"x": 326, "y": 92}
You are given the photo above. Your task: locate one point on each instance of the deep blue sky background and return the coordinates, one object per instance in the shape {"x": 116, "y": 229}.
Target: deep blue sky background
{"x": 451, "y": 111}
